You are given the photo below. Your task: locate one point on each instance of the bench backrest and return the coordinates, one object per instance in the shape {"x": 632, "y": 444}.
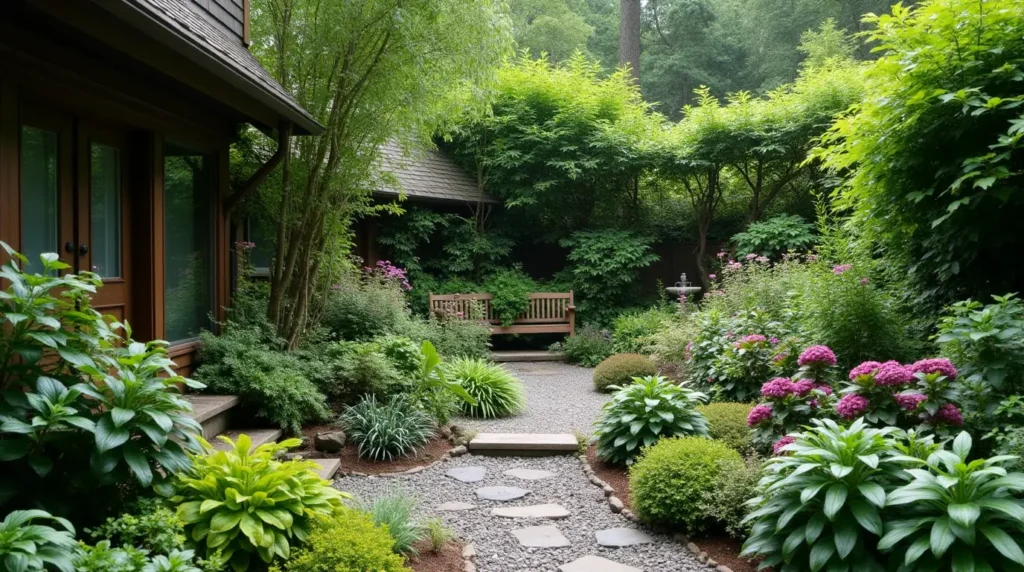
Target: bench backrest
{"x": 545, "y": 307}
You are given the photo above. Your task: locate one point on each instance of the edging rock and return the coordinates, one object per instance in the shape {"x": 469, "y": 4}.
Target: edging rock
{"x": 468, "y": 557}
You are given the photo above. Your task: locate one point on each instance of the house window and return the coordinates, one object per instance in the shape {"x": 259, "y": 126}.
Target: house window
{"x": 40, "y": 195}
{"x": 105, "y": 209}
{"x": 189, "y": 183}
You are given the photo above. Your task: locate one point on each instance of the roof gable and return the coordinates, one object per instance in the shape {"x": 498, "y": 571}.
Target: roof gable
{"x": 429, "y": 175}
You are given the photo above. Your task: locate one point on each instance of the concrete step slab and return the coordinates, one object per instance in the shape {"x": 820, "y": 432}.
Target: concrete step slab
{"x": 541, "y": 537}
{"x": 258, "y": 437}
{"x": 213, "y": 412}
{"x": 524, "y": 444}
{"x": 619, "y": 537}
{"x": 328, "y": 467}
{"x": 591, "y": 563}
{"x": 526, "y": 356}
{"x": 552, "y": 511}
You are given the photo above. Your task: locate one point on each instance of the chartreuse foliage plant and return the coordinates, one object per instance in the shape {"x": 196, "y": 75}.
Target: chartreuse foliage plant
{"x": 956, "y": 514}
{"x": 347, "y": 541}
{"x": 83, "y": 407}
{"x": 29, "y": 544}
{"x": 643, "y": 412}
{"x": 242, "y": 502}
{"x": 819, "y": 503}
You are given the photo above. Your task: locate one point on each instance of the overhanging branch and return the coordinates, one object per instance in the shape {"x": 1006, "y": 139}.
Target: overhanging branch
{"x": 284, "y": 134}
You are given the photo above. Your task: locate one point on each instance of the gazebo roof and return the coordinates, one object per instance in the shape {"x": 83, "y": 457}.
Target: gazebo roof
{"x": 429, "y": 175}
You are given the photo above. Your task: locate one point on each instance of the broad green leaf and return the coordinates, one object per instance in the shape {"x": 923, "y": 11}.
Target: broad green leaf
{"x": 109, "y": 436}
{"x": 965, "y": 514}
{"x": 821, "y": 552}
{"x": 1003, "y": 543}
{"x": 845, "y": 534}
{"x": 867, "y": 516}
{"x": 835, "y": 497}
{"x": 941, "y": 536}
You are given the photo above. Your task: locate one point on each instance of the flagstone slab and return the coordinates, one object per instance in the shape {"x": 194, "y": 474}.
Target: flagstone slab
{"x": 524, "y": 443}
{"x": 619, "y": 537}
{"x": 467, "y": 474}
{"x": 456, "y": 506}
{"x": 541, "y": 537}
{"x": 529, "y": 474}
{"x": 553, "y": 511}
{"x": 591, "y": 563}
{"x": 501, "y": 493}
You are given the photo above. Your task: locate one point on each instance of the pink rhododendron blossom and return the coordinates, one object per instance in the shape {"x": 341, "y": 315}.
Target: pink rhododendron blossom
{"x": 778, "y": 388}
{"x": 803, "y": 386}
{"x": 814, "y": 403}
{"x": 733, "y": 265}
{"x": 935, "y": 365}
{"x": 777, "y": 447}
{"x": 841, "y": 269}
{"x": 824, "y": 388}
{"x": 712, "y": 276}
{"x": 817, "y": 355}
{"x": 759, "y": 414}
{"x": 893, "y": 373}
{"x": 753, "y": 339}
{"x": 751, "y": 256}
{"x": 866, "y": 368}
{"x": 774, "y": 341}
{"x": 852, "y": 406}
{"x": 909, "y": 401}
{"x": 950, "y": 415}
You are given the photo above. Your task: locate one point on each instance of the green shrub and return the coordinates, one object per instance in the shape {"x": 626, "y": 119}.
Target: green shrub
{"x": 671, "y": 479}
{"x": 27, "y": 543}
{"x": 497, "y": 392}
{"x": 603, "y": 270}
{"x": 243, "y": 502}
{"x": 820, "y": 499}
{"x": 635, "y": 332}
{"x": 348, "y": 541}
{"x": 396, "y": 510}
{"x": 148, "y": 525}
{"x": 619, "y": 370}
{"x": 511, "y": 289}
{"x": 589, "y": 347}
{"x": 453, "y": 338}
{"x": 270, "y": 383}
{"x": 360, "y": 310}
{"x": 87, "y": 415}
{"x": 727, "y": 503}
{"x": 105, "y": 558}
{"x": 727, "y": 422}
{"x": 403, "y": 353}
{"x": 775, "y": 237}
{"x": 362, "y": 369}
{"x": 384, "y": 430}
{"x": 641, "y": 413}
{"x": 955, "y": 515}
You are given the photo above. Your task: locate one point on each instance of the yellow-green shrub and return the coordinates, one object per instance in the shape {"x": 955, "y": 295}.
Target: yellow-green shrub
{"x": 672, "y": 478}
{"x": 347, "y": 541}
{"x": 620, "y": 370}
{"x": 727, "y": 422}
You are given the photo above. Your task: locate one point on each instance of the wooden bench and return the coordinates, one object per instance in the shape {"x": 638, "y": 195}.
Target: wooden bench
{"x": 549, "y": 312}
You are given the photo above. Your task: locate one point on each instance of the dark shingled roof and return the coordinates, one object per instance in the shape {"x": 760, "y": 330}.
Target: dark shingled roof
{"x": 230, "y": 54}
{"x": 429, "y": 175}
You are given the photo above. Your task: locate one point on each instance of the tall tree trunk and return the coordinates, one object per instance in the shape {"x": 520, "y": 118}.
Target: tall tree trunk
{"x": 629, "y": 36}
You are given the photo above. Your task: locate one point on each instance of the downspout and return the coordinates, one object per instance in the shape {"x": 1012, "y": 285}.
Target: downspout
{"x": 284, "y": 134}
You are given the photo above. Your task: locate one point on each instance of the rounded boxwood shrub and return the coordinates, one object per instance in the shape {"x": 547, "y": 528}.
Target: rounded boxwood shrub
{"x": 672, "y": 478}
{"x": 727, "y": 422}
{"x": 620, "y": 369}
{"x": 348, "y": 541}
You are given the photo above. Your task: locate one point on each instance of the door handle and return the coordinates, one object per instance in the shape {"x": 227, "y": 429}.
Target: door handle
{"x": 69, "y": 247}
{"x": 83, "y": 249}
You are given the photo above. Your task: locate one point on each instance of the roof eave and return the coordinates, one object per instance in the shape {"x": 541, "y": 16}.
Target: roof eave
{"x": 141, "y": 19}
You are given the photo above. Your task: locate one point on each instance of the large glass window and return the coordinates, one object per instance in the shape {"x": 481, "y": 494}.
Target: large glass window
{"x": 40, "y": 197}
{"x": 189, "y": 183}
{"x": 105, "y": 209}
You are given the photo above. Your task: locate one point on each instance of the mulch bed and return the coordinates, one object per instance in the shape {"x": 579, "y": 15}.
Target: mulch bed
{"x": 720, "y": 547}
{"x": 448, "y": 560}
{"x": 350, "y": 461}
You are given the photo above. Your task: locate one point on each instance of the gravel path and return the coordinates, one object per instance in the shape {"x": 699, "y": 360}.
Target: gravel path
{"x": 497, "y": 548}
{"x": 560, "y": 398}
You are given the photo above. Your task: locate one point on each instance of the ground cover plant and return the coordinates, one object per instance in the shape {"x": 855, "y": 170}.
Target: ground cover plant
{"x": 349, "y": 540}
{"x": 590, "y": 346}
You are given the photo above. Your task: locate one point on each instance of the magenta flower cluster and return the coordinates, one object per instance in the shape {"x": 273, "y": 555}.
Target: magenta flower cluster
{"x": 909, "y": 401}
{"x": 777, "y": 447}
{"x": 866, "y": 368}
{"x": 759, "y": 415}
{"x": 893, "y": 373}
{"x": 817, "y": 355}
{"x": 852, "y": 406}
{"x": 753, "y": 339}
{"x": 391, "y": 273}
{"x": 950, "y": 415}
{"x": 777, "y": 388}
{"x": 841, "y": 269}
{"x": 941, "y": 366}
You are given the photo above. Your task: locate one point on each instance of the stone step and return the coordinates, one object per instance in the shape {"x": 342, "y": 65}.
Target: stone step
{"x": 524, "y": 444}
{"x": 526, "y": 356}
{"x": 591, "y": 563}
{"x": 541, "y": 537}
{"x": 552, "y": 511}
{"x": 213, "y": 412}
{"x": 328, "y": 467}
{"x": 258, "y": 437}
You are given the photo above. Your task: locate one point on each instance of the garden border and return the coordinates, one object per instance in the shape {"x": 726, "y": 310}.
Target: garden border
{"x": 617, "y": 506}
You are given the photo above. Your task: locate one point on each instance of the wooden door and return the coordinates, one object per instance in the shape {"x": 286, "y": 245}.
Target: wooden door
{"x": 46, "y": 157}
{"x": 101, "y": 193}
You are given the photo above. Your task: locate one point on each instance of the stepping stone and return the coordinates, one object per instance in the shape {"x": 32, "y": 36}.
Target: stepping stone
{"x": 501, "y": 493}
{"x": 618, "y": 537}
{"x": 523, "y": 444}
{"x": 467, "y": 474}
{"x": 541, "y": 537}
{"x": 529, "y": 474}
{"x": 536, "y": 511}
{"x": 596, "y": 564}
{"x": 454, "y": 506}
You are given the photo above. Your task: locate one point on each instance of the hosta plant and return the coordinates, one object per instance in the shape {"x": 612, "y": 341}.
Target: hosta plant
{"x": 495, "y": 391}
{"x": 643, "y": 412}
{"x": 385, "y": 430}
{"x": 29, "y": 544}
{"x": 957, "y": 515}
{"x": 242, "y": 502}
{"x": 819, "y": 502}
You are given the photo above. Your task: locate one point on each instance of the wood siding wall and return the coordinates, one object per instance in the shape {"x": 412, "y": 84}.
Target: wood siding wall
{"x": 228, "y": 14}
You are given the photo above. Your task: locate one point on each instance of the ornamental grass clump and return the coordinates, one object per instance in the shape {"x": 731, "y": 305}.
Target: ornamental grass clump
{"x": 819, "y": 501}
{"x": 385, "y": 430}
{"x": 495, "y": 391}
{"x": 956, "y": 515}
{"x": 641, "y": 413}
